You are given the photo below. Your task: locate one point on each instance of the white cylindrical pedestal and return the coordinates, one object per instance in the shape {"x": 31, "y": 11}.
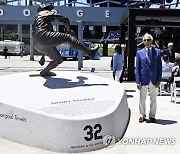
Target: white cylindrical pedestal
{"x": 70, "y": 112}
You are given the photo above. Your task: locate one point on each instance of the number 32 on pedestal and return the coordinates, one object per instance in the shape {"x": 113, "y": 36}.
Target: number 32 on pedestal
{"x": 93, "y": 132}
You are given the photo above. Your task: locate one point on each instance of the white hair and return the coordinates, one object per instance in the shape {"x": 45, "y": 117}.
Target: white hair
{"x": 170, "y": 44}
{"x": 148, "y": 36}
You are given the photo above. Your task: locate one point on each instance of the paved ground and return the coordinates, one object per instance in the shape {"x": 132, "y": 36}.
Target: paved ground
{"x": 162, "y": 137}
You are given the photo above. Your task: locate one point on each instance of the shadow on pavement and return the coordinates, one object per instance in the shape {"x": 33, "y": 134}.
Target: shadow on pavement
{"x": 130, "y": 90}
{"x": 164, "y": 122}
{"x": 130, "y": 96}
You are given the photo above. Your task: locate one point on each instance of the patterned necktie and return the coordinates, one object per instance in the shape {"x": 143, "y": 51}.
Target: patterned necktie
{"x": 149, "y": 55}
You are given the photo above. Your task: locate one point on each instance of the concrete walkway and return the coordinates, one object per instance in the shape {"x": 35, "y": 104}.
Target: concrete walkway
{"x": 145, "y": 138}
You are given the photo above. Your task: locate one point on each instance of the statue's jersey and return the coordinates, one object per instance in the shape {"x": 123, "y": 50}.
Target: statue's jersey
{"x": 43, "y": 22}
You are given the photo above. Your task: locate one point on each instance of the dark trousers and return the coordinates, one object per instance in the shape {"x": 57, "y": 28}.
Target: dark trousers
{"x": 5, "y": 54}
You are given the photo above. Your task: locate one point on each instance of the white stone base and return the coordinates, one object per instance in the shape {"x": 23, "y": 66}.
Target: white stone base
{"x": 70, "y": 112}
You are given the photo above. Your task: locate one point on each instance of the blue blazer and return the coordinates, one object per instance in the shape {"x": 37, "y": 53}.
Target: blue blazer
{"x": 146, "y": 72}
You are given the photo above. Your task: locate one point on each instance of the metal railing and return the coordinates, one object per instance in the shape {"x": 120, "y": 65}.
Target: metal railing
{"x": 98, "y": 3}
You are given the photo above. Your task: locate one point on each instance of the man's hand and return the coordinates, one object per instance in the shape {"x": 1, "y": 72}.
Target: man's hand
{"x": 139, "y": 86}
{"x": 157, "y": 85}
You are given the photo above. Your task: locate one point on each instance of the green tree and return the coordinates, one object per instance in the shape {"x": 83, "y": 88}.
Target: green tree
{"x": 10, "y": 36}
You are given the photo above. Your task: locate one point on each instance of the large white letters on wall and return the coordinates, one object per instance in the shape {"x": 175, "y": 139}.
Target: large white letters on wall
{"x": 1, "y": 12}
{"x": 26, "y": 12}
{"x": 80, "y": 13}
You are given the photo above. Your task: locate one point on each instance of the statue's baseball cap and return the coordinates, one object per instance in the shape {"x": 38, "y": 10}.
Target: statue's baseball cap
{"x": 43, "y": 7}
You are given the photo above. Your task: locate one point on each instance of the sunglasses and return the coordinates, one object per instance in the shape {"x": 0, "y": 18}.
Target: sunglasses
{"x": 147, "y": 40}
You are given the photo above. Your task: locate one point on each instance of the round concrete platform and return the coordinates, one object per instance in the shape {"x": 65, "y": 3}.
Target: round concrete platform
{"x": 70, "y": 112}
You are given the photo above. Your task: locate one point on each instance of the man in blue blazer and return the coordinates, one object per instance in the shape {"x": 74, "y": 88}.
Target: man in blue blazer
{"x": 148, "y": 76}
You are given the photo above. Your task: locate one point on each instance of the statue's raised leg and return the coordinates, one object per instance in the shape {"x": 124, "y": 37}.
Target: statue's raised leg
{"x": 56, "y": 38}
{"x": 75, "y": 43}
